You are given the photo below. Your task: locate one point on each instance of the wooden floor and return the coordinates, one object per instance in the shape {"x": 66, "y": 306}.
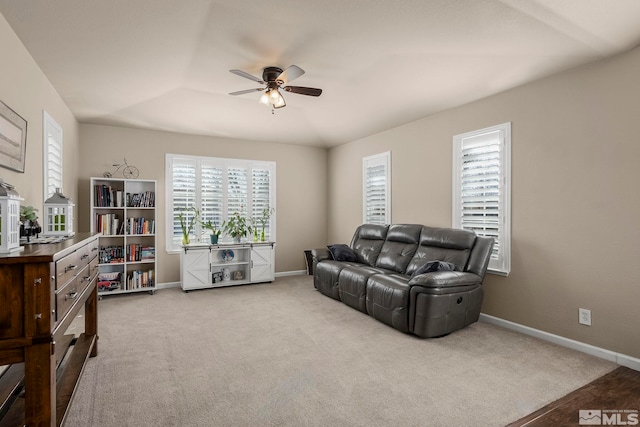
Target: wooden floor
{"x": 616, "y": 395}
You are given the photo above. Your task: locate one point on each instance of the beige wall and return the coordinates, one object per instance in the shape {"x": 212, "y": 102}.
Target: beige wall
{"x": 575, "y": 196}
{"x": 26, "y": 90}
{"x": 301, "y": 183}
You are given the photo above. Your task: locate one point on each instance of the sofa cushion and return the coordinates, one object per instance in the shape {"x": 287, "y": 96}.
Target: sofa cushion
{"x": 325, "y": 277}
{"x": 388, "y": 300}
{"x": 399, "y": 247}
{"x": 443, "y": 244}
{"x": 352, "y": 285}
{"x": 342, "y": 252}
{"x": 367, "y": 242}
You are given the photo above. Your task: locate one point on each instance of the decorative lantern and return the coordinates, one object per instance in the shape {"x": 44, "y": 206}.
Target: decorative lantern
{"x": 58, "y": 215}
{"x": 9, "y": 219}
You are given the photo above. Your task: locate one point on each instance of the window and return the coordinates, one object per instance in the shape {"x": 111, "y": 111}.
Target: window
{"x": 482, "y": 189}
{"x": 52, "y": 153}
{"x": 376, "y": 189}
{"x": 217, "y": 187}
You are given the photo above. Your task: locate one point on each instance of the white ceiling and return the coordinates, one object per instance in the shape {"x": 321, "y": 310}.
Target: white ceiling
{"x": 164, "y": 64}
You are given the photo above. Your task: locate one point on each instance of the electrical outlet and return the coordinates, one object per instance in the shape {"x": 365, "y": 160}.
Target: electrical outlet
{"x": 584, "y": 316}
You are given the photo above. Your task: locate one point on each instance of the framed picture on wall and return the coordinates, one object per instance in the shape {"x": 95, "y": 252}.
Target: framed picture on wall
{"x": 13, "y": 139}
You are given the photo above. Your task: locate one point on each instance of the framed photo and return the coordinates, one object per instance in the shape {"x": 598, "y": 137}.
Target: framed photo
{"x": 238, "y": 275}
{"x": 13, "y": 139}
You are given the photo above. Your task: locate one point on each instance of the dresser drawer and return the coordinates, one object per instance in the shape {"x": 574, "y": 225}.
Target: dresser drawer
{"x": 66, "y": 268}
{"x": 67, "y": 295}
{"x": 70, "y": 265}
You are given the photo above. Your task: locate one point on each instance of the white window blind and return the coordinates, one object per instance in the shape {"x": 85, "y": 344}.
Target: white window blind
{"x": 261, "y": 194}
{"x": 218, "y": 188}
{"x": 376, "y": 189}
{"x": 52, "y": 141}
{"x": 481, "y": 181}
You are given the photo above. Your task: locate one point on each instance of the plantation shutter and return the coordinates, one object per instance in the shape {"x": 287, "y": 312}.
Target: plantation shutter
{"x": 53, "y": 172}
{"x": 54, "y": 165}
{"x": 261, "y": 195}
{"x": 237, "y": 194}
{"x": 217, "y": 188}
{"x": 211, "y": 195}
{"x": 481, "y": 199}
{"x": 376, "y": 189}
{"x": 183, "y": 192}
{"x": 480, "y": 187}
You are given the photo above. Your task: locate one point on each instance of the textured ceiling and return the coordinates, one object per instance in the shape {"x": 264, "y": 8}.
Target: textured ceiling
{"x": 164, "y": 64}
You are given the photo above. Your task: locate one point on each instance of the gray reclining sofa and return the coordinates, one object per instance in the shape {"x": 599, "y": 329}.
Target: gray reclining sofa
{"x": 376, "y": 274}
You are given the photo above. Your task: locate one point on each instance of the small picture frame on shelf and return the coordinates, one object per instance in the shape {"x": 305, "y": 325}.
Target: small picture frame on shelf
{"x": 238, "y": 275}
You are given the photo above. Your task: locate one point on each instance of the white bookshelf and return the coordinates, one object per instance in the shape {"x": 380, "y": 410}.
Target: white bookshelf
{"x": 124, "y": 211}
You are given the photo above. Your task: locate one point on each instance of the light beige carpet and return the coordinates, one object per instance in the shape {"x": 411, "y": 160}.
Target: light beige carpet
{"x": 282, "y": 354}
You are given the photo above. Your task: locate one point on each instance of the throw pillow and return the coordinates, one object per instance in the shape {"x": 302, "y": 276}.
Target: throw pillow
{"x": 342, "y": 252}
{"x": 435, "y": 266}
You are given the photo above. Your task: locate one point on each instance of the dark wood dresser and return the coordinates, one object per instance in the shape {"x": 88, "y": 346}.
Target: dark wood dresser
{"x": 42, "y": 290}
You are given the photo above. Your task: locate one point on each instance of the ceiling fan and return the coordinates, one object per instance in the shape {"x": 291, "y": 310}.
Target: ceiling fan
{"x": 274, "y": 79}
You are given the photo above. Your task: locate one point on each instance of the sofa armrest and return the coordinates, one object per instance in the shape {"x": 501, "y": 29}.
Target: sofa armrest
{"x": 319, "y": 254}
{"x": 443, "y": 279}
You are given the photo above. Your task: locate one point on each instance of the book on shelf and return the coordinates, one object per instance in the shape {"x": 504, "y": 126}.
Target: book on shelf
{"x": 108, "y": 224}
{"x": 147, "y": 253}
{"x": 146, "y": 199}
{"x": 105, "y": 196}
{"x": 139, "y": 279}
{"x": 111, "y": 254}
{"x": 141, "y": 226}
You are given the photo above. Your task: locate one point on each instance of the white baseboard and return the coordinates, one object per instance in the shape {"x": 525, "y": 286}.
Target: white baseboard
{"x": 291, "y": 273}
{"x": 167, "y": 285}
{"x": 619, "y": 358}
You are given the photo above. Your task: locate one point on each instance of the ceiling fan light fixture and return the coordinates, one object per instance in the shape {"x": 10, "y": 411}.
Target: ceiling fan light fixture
{"x": 273, "y": 78}
{"x": 274, "y": 96}
{"x": 264, "y": 99}
{"x": 279, "y": 103}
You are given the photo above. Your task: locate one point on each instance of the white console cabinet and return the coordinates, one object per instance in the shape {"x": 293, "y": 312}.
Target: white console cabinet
{"x": 211, "y": 266}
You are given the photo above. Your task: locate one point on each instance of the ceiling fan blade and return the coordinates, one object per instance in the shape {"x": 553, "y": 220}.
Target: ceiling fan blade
{"x": 242, "y": 92}
{"x": 291, "y": 73}
{"x": 311, "y": 91}
{"x": 246, "y": 76}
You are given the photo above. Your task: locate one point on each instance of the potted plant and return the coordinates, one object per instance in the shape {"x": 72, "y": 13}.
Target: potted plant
{"x": 264, "y": 220}
{"x": 187, "y": 221}
{"x": 237, "y": 227}
{"x": 215, "y": 230}
{"x": 29, "y": 222}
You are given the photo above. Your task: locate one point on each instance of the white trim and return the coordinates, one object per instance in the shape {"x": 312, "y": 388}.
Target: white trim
{"x": 373, "y": 160}
{"x": 50, "y": 126}
{"x": 167, "y": 285}
{"x": 500, "y": 265}
{"x": 291, "y": 273}
{"x": 619, "y": 358}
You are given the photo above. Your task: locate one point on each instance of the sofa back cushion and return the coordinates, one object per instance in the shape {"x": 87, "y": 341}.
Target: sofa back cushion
{"x": 399, "y": 247}
{"x": 367, "y": 242}
{"x": 443, "y": 244}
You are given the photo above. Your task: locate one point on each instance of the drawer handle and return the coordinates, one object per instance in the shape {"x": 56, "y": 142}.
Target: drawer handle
{"x": 86, "y": 278}
{"x": 70, "y": 267}
{"x": 71, "y": 295}
{"x": 85, "y": 256}
{"x": 94, "y": 249}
